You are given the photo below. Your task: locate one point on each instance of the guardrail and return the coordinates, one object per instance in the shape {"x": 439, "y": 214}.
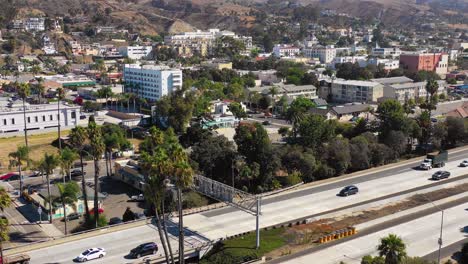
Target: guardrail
{"x": 77, "y": 236}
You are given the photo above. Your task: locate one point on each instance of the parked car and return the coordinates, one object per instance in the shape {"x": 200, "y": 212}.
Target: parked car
{"x": 139, "y": 215}
{"x": 464, "y": 163}
{"x": 11, "y": 176}
{"x": 143, "y": 250}
{"x": 115, "y": 220}
{"x": 35, "y": 174}
{"x": 76, "y": 173}
{"x": 138, "y": 198}
{"x": 92, "y": 253}
{"x": 266, "y": 123}
{"x": 349, "y": 190}
{"x": 73, "y": 216}
{"x": 438, "y": 175}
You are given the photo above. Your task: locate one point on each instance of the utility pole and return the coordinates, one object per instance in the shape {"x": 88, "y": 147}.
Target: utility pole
{"x": 257, "y": 223}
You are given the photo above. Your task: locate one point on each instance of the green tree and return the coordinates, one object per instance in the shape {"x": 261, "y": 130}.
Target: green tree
{"x": 48, "y": 164}
{"x": 464, "y": 254}
{"x": 392, "y": 248}
{"x": 79, "y": 140}
{"x": 237, "y": 110}
{"x": 18, "y": 158}
{"x": 338, "y": 155}
{"x": 314, "y": 130}
{"x": 298, "y": 108}
{"x": 68, "y": 195}
{"x": 24, "y": 91}
{"x": 97, "y": 149}
{"x": 456, "y": 131}
{"x": 372, "y": 260}
{"x": 5, "y": 202}
{"x": 128, "y": 215}
{"x": 392, "y": 117}
{"x": 40, "y": 89}
{"x": 67, "y": 157}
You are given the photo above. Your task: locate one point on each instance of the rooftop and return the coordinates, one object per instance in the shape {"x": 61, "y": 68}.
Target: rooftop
{"x": 393, "y": 80}
{"x": 356, "y": 83}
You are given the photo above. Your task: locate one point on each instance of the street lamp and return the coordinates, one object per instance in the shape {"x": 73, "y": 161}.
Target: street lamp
{"x": 439, "y": 241}
{"x": 170, "y": 186}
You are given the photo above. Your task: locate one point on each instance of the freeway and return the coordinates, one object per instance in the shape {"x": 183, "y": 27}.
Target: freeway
{"x": 117, "y": 245}
{"x": 420, "y": 236}
{"x": 224, "y": 222}
{"x": 313, "y": 201}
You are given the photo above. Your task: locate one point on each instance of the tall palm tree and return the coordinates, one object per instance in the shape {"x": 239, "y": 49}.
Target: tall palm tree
{"x": 60, "y": 96}
{"x": 111, "y": 142}
{"x": 97, "y": 148}
{"x": 18, "y": 158}
{"x": 68, "y": 195}
{"x": 5, "y": 202}
{"x": 273, "y": 92}
{"x": 431, "y": 87}
{"x": 393, "y": 248}
{"x": 24, "y": 91}
{"x": 67, "y": 157}
{"x": 48, "y": 164}
{"x": 79, "y": 140}
{"x": 40, "y": 89}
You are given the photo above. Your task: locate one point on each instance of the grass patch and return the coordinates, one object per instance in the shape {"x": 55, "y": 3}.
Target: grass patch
{"x": 39, "y": 144}
{"x": 241, "y": 249}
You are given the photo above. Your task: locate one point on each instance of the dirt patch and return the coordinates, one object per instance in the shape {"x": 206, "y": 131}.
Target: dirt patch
{"x": 301, "y": 237}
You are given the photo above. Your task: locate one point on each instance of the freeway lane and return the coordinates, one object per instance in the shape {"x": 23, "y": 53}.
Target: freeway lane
{"x": 339, "y": 184}
{"x": 215, "y": 226}
{"x": 420, "y": 236}
{"x": 117, "y": 244}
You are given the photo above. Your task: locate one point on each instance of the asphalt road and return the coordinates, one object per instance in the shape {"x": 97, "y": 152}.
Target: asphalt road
{"x": 419, "y": 232}
{"x": 337, "y": 185}
{"x": 450, "y": 251}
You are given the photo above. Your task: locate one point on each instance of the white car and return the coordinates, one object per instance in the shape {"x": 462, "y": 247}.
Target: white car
{"x": 138, "y": 198}
{"x": 92, "y": 253}
{"x": 464, "y": 163}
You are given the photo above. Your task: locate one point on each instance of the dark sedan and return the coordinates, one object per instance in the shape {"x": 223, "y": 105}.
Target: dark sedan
{"x": 348, "y": 190}
{"x": 440, "y": 175}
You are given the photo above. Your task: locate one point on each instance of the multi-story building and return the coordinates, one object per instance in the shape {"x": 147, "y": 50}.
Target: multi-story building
{"x": 388, "y": 64}
{"x": 38, "y": 117}
{"x": 135, "y": 52}
{"x": 34, "y": 24}
{"x": 285, "y": 50}
{"x": 290, "y": 90}
{"x": 434, "y": 62}
{"x": 361, "y": 60}
{"x": 326, "y": 54}
{"x": 350, "y": 91}
{"x": 386, "y": 52}
{"x": 403, "y": 89}
{"x": 151, "y": 82}
{"x": 201, "y": 42}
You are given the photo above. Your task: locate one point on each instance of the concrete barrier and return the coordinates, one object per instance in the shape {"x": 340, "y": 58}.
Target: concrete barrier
{"x": 78, "y": 236}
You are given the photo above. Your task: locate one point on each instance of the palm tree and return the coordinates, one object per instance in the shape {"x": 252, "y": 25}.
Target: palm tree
{"x": 393, "y": 248}
{"x": 60, "y": 95}
{"x": 78, "y": 139}
{"x": 18, "y": 158}
{"x": 24, "y": 91}
{"x": 273, "y": 92}
{"x": 68, "y": 195}
{"x": 431, "y": 87}
{"x": 5, "y": 202}
{"x": 67, "y": 157}
{"x": 48, "y": 164}
{"x": 97, "y": 148}
{"x": 40, "y": 88}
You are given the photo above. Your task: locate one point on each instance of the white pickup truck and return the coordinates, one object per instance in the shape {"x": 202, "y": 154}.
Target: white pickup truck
{"x": 426, "y": 164}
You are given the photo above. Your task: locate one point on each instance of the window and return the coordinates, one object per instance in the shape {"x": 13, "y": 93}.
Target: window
{"x": 51, "y": 117}
{"x": 12, "y": 121}
{"x": 36, "y": 119}
{"x": 4, "y": 122}
{"x": 29, "y": 119}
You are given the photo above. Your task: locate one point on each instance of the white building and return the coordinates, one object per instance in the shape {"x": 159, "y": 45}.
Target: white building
{"x": 350, "y": 91}
{"x": 325, "y": 54}
{"x": 38, "y": 117}
{"x": 135, "y": 52}
{"x": 285, "y": 50}
{"x": 34, "y": 24}
{"x": 361, "y": 60}
{"x": 384, "y": 52}
{"x": 388, "y": 64}
{"x": 151, "y": 82}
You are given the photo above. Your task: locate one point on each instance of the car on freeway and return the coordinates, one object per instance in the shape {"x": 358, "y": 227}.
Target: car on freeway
{"x": 349, "y": 190}
{"x": 90, "y": 254}
{"x": 438, "y": 175}
{"x": 138, "y": 198}
{"x": 144, "y": 249}
{"x": 115, "y": 220}
{"x": 11, "y": 176}
{"x": 76, "y": 172}
{"x": 464, "y": 163}
{"x": 73, "y": 216}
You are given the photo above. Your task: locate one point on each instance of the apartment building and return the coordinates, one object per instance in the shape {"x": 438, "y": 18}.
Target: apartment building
{"x": 135, "y": 52}
{"x": 403, "y": 89}
{"x": 285, "y": 50}
{"x": 290, "y": 90}
{"x": 201, "y": 42}
{"x": 386, "y": 52}
{"x": 350, "y": 91}
{"x": 34, "y": 24}
{"x": 434, "y": 62}
{"x": 151, "y": 82}
{"x": 388, "y": 64}
{"x": 38, "y": 117}
{"x": 361, "y": 60}
{"x": 326, "y": 54}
